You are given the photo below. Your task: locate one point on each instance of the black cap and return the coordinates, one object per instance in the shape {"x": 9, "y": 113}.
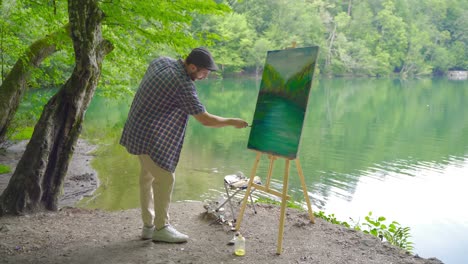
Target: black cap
{"x": 201, "y": 57}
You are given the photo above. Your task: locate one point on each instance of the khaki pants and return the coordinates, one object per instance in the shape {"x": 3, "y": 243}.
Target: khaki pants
{"x": 156, "y": 185}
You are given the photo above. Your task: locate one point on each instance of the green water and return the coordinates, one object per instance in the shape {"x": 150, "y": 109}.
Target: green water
{"x": 397, "y": 148}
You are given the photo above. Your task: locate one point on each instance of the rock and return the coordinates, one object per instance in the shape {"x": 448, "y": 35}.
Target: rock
{"x": 4, "y": 228}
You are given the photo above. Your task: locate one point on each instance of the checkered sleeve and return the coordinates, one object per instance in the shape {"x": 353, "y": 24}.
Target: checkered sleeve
{"x": 187, "y": 99}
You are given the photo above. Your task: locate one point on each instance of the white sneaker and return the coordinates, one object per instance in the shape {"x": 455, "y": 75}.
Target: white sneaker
{"x": 169, "y": 234}
{"x": 147, "y": 232}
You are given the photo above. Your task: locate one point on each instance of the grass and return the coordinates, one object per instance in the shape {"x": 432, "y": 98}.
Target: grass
{"x": 4, "y": 169}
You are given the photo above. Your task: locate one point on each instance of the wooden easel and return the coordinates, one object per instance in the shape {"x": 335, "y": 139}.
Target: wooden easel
{"x": 283, "y": 195}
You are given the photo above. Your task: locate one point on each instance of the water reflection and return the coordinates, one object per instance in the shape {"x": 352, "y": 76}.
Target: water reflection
{"x": 430, "y": 201}
{"x": 399, "y": 149}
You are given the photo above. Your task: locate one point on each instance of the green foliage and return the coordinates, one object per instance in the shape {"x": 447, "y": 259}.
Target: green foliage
{"x": 394, "y": 234}
{"x": 393, "y": 35}
{"x": 54, "y": 70}
{"x": 331, "y": 218}
{"x": 356, "y": 37}
{"x": 4, "y": 169}
{"x": 233, "y": 39}
{"x": 143, "y": 30}
{"x": 22, "y": 134}
{"x": 28, "y": 114}
{"x": 140, "y": 31}
{"x": 366, "y": 38}
{"x": 22, "y": 22}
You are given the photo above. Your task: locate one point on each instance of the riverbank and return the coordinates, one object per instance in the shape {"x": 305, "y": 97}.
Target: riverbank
{"x": 80, "y": 181}
{"x": 76, "y": 235}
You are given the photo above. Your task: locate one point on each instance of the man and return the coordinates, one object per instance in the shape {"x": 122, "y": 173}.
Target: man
{"x": 155, "y": 131}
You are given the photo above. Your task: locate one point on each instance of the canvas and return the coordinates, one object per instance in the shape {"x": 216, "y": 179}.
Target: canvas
{"x": 282, "y": 101}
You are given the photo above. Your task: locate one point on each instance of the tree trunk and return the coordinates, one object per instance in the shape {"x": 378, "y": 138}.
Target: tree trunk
{"x": 350, "y": 4}
{"x": 15, "y": 83}
{"x": 37, "y": 180}
{"x": 330, "y": 40}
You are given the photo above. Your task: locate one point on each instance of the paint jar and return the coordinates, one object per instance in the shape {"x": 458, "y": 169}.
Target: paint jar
{"x": 239, "y": 245}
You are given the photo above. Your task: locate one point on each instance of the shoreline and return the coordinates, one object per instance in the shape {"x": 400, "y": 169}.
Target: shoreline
{"x": 76, "y": 235}
{"x": 81, "y": 179}
{"x": 79, "y": 235}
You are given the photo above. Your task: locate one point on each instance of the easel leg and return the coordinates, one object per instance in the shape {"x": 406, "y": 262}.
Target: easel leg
{"x": 304, "y": 190}
{"x": 283, "y": 195}
{"x": 247, "y": 192}
{"x": 284, "y": 200}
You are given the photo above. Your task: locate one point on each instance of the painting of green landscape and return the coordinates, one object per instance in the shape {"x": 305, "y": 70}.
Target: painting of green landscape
{"x": 282, "y": 101}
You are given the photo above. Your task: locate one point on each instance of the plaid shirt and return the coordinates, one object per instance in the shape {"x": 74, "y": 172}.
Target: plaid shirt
{"x": 159, "y": 113}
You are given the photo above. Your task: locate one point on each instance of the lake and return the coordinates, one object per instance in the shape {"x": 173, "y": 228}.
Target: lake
{"x": 398, "y": 148}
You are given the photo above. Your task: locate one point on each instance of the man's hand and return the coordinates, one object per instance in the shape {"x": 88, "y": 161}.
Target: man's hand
{"x": 239, "y": 123}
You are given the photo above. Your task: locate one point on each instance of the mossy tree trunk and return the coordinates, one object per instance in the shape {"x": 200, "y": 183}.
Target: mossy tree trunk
{"x": 37, "y": 180}
{"x": 15, "y": 83}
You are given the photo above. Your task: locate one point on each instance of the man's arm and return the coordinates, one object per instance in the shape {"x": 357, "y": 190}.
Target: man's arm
{"x": 210, "y": 120}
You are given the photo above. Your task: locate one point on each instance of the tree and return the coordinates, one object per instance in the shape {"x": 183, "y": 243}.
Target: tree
{"x": 260, "y": 14}
{"x": 37, "y": 180}
{"x": 16, "y": 46}
{"x": 457, "y": 24}
{"x": 16, "y": 82}
{"x": 38, "y": 17}
{"x": 258, "y": 54}
{"x": 143, "y": 29}
{"x": 234, "y": 38}
{"x": 393, "y": 36}
{"x": 139, "y": 28}
{"x": 38, "y": 177}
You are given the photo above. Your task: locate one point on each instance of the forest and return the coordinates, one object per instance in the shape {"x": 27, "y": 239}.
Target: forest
{"x": 356, "y": 38}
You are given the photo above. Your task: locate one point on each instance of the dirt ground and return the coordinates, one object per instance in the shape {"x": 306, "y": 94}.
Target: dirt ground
{"x": 76, "y": 235}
